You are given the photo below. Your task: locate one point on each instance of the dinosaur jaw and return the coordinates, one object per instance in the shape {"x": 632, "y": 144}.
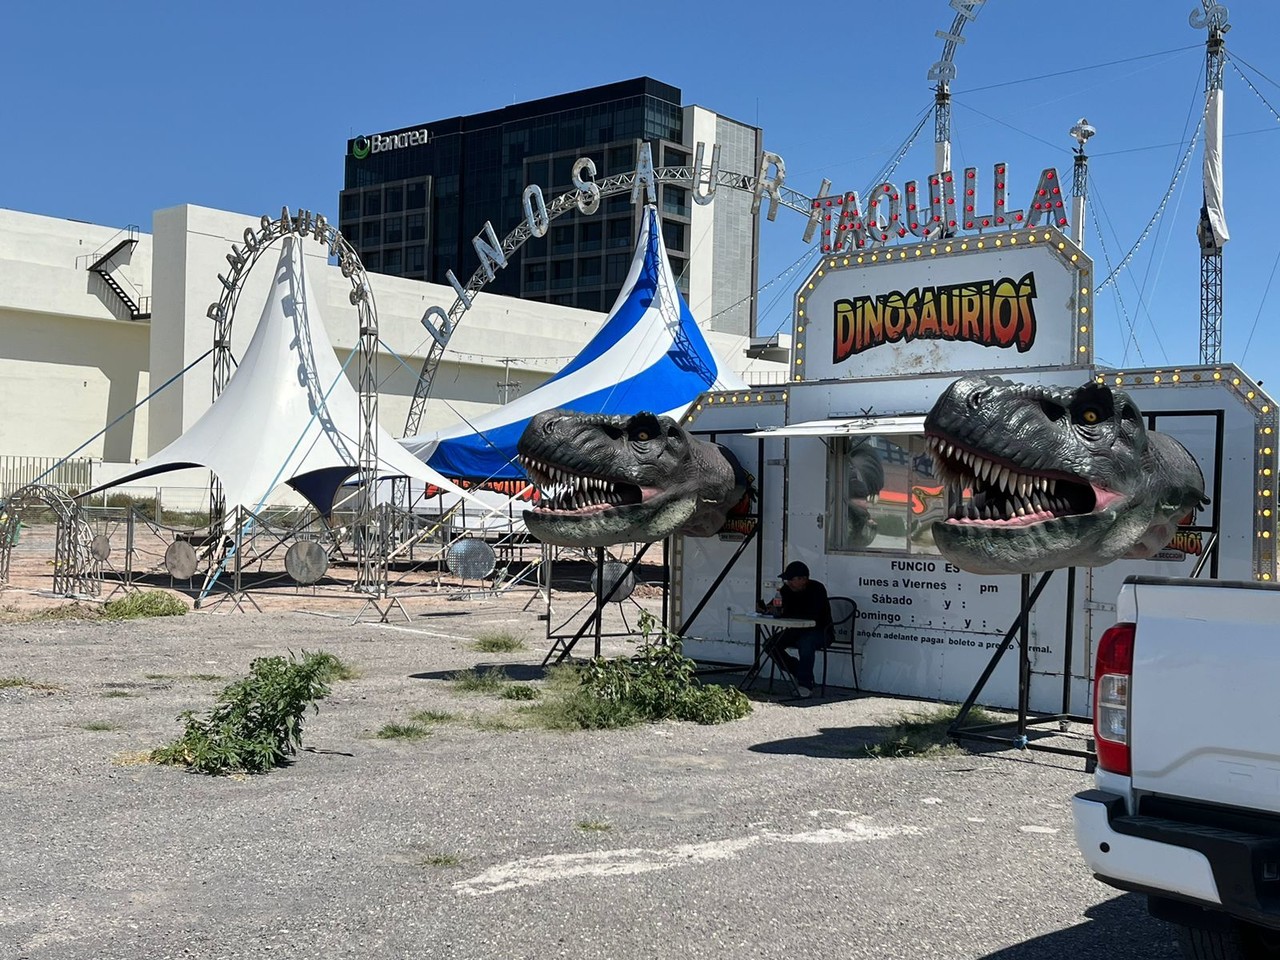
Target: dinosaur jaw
{"x": 1018, "y": 519}
{"x": 645, "y": 523}
{"x": 580, "y": 510}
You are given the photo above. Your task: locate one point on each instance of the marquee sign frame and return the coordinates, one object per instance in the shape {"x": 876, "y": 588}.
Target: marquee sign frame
{"x": 982, "y": 314}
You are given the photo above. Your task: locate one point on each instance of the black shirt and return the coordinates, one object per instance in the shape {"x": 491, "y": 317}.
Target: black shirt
{"x": 808, "y": 604}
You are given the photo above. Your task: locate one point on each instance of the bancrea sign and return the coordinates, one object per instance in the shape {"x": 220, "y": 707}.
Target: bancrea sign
{"x": 362, "y": 146}
{"x": 1020, "y": 299}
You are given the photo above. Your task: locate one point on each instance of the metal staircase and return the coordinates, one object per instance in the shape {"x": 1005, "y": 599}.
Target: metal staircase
{"x": 139, "y": 309}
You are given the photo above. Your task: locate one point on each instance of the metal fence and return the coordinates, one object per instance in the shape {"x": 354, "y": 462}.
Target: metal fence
{"x": 75, "y": 474}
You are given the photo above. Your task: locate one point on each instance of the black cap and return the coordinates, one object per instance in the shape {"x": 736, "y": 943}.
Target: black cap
{"x": 794, "y": 569}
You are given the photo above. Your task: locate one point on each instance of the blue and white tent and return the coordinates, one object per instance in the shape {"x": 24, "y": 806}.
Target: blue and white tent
{"x": 649, "y": 355}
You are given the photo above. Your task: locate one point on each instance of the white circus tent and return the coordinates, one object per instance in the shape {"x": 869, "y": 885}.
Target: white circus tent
{"x": 288, "y": 415}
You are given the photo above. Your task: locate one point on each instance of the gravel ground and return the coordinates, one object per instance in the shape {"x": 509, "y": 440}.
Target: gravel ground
{"x": 767, "y": 837}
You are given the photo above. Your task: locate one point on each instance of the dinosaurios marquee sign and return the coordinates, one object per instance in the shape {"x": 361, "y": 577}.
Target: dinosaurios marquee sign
{"x": 994, "y": 313}
{"x": 1017, "y": 299}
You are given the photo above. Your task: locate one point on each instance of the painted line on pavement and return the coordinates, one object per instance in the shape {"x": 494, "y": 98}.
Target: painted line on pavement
{"x": 629, "y": 861}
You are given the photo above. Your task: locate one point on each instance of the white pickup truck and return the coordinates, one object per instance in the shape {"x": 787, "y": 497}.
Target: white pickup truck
{"x": 1186, "y": 805}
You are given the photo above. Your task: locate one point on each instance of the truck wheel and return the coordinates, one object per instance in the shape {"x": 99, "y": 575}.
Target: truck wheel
{"x": 1242, "y": 941}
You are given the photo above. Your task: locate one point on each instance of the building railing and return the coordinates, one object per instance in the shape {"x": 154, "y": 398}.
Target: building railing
{"x": 129, "y": 232}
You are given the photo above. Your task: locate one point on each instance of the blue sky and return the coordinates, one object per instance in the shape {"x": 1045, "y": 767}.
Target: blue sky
{"x": 115, "y": 111}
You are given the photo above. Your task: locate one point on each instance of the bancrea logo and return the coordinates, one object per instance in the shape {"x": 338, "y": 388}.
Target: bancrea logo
{"x": 361, "y": 147}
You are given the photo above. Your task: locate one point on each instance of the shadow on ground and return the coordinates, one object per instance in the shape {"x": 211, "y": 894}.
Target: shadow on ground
{"x": 842, "y": 743}
{"x": 829, "y": 742}
{"x": 1118, "y": 929}
{"x": 512, "y": 671}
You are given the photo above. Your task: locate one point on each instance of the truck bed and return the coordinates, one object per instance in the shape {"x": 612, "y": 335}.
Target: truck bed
{"x": 1205, "y": 697}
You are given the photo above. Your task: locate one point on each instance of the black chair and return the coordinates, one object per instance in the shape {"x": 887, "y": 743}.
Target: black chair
{"x": 844, "y": 618}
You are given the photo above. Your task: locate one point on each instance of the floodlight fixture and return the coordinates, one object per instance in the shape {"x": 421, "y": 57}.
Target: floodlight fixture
{"x": 1082, "y": 131}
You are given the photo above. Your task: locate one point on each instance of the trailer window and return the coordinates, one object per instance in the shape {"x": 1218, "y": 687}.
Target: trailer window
{"x": 882, "y": 495}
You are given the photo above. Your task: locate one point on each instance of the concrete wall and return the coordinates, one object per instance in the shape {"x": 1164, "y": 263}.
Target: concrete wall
{"x": 69, "y": 363}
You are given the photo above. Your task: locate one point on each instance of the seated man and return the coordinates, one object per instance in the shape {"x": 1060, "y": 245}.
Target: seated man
{"x": 803, "y": 599}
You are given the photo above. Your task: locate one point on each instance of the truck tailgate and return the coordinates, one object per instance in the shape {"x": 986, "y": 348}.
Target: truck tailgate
{"x": 1205, "y": 697}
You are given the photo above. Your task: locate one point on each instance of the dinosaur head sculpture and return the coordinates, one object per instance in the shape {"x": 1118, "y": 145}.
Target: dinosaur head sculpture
{"x": 616, "y": 479}
{"x": 1057, "y": 477}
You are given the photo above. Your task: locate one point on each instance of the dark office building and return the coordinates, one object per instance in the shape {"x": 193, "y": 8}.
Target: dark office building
{"x": 414, "y": 198}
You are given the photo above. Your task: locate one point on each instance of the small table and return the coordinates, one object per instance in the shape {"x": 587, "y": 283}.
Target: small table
{"x": 767, "y": 629}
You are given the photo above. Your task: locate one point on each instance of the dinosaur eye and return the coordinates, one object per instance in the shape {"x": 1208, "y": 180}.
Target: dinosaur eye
{"x": 642, "y": 435}
{"x": 1090, "y": 415}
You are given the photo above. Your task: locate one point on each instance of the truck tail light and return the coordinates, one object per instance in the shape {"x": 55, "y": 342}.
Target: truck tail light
{"x": 1111, "y": 698}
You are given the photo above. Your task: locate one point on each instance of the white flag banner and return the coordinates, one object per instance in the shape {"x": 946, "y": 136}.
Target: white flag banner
{"x": 1213, "y": 167}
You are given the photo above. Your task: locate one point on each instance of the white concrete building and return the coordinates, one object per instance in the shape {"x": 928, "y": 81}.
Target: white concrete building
{"x": 79, "y": 349}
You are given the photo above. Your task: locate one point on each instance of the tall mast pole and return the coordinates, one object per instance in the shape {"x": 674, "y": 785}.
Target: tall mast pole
{"x": 942, "y": 127}
{"x": 1081, "y": 132}
{"x": 1211, "y": 231}
{"x": 942, "y": 73}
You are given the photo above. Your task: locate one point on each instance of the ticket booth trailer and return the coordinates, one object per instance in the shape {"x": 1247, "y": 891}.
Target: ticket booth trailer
{"x": 878, "y": 338}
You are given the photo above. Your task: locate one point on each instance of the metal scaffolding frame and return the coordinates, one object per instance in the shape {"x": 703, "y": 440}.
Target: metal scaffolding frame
{"x": 1213, "y": 19}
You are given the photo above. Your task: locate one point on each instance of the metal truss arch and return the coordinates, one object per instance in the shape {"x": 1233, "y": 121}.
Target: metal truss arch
{"x": 242, "y": 258}
{"x": 75, "y": 569}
